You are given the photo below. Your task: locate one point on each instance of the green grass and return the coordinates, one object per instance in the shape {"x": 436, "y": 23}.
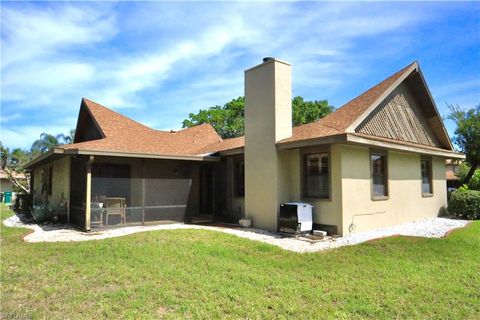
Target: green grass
{"x": 204, "y": 274}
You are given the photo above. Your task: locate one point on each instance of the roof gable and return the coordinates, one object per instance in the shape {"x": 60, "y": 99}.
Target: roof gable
{"x": 102, "y": 129}
{"x": 399, "y": 117}
{"x": 406, "y": 112}
{"x": 87, "y": 128}
{"x": 347, "y": 115}
{"x": 351, "y": 117}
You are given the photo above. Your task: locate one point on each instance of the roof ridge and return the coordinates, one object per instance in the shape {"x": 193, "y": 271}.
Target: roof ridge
{"x": 89, "y": 103}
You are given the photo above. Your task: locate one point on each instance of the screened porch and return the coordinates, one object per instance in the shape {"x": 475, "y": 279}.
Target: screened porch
{"x": 114, "y": 192}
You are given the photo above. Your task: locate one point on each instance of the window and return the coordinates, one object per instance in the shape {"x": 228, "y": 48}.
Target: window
{"x": 50, "y": 180}
{"x": 239, "y": 178}
{"x": 317, "y": 180}
{"x": 379, "y": 175}
{"x": 47, "y": 177}
{"x": 426, "y": 168}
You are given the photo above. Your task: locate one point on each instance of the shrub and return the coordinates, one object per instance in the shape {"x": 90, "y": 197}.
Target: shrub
{"x": 465, "y": 204}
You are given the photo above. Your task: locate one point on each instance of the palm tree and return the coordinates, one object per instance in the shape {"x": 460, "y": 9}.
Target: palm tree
{"x": 70, "y": 137}
{"x": 46, "y": 142}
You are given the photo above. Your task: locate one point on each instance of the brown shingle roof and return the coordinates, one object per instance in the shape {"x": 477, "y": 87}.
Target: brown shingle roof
{"x": 225, "y": 144}
{"x": 126, "y": 135}
{"x": 338, "y": 121}
{"x": 16, "y": 175}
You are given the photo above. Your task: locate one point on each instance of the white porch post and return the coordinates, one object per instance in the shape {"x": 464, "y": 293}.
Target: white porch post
{"x": 88, "y": 195}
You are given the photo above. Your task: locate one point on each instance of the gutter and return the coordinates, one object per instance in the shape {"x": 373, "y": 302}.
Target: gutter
{"x": 338, "y": 138}
{"x": 355, "y": 139}
{"x": 43, "y": 157}
{"x": 140, "y": 155}
{"x": 352, "y": 138}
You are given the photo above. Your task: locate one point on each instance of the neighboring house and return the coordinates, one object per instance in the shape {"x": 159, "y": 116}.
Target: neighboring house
{"x": 376, "y": 161}
{"x": 452, "y": 170}
{"x": 6, "y": 185}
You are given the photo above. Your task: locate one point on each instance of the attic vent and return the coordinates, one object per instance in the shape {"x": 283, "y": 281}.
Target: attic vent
{"x": 266, "y": 59}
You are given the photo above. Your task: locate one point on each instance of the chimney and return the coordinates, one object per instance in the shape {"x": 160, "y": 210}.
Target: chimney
{"x": 268, "y": 119}
{"x": 268, "y": 99}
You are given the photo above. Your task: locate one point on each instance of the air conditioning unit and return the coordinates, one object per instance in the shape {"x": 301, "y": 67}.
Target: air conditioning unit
{"x": 296, "y": 218}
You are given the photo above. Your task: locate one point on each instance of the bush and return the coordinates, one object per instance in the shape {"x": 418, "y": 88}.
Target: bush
{"x": 465, "y": 204}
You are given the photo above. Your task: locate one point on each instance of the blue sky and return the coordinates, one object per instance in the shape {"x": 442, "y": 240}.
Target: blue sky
{"x": 157, "y": 62}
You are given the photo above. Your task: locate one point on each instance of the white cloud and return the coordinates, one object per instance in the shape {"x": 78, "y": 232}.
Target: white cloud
{"x": 33, "y": 33}
{"x": 173, "y": 58}
{"x": 24, "y": 136}
{"x": 5, "y": 118}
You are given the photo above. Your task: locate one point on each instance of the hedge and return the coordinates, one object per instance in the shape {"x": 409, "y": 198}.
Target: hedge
{"x": 465, "y": 204}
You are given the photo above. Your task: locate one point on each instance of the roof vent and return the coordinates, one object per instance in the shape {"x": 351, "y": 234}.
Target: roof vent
{"x": 267, "y": 59}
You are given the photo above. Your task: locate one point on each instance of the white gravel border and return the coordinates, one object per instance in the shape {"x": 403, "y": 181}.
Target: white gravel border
{"x": 429, "y": 228}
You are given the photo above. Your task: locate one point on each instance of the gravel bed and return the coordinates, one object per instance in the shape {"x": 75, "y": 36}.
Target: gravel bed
{"x": 429, "y": 228}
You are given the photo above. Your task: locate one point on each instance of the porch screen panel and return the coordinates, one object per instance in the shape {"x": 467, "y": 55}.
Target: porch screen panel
{"x": 116, "y": 196}
{"x": 166, "y": 198}
{"x": 142, "y": 192}
{"x": 77, "y": 191}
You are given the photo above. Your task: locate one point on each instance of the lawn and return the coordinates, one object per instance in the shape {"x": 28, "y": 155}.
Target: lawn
{"x": 205, "y": 274}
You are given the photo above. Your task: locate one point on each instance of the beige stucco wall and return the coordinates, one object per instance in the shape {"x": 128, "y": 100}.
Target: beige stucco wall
{"x": 5, "y": 185}
{"x": 60, "y": 183}
{"x": 350, "y": 206}
{"x": 325, "y": 211}
{"x": 405, "y": 202}
{"x": 267, "y": 120}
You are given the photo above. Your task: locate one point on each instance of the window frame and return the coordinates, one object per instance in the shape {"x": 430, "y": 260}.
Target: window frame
{"x": 305, "y": 193}
{"x": 430, "y": 176}
{"x": 50, "y": 180}
{"x": 386, "y": 179}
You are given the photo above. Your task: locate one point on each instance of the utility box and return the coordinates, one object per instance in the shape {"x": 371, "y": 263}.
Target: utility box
{"x": 296, "y": 218}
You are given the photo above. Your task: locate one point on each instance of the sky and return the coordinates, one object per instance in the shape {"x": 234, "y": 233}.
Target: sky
{"x": 156, "y": 62}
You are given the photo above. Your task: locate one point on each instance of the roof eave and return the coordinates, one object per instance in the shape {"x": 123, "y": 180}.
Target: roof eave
{"x": 142, "y": 155}
{"x": 43, "y": 157}
{"x": 435, "y": 107}
{"x": 232, "y": 152}
{"x": 355, "y": 139}
{"x": 338, "y": 138}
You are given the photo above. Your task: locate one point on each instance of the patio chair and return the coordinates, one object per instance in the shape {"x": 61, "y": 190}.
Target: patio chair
{"x": 115, "y": 207}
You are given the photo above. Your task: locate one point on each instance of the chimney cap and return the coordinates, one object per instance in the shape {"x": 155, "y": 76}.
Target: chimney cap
{"x": 267, "y": 59}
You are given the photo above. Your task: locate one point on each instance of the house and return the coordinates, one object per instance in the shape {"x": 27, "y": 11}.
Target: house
{"x": 6, "y": 185}
{"x": 452, "y": 170}
{"x": 376, "y": 161}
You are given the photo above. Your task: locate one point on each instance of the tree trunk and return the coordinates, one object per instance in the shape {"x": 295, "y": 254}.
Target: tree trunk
{"x": 470, "y": 173}
{"x": 16, "y": 182}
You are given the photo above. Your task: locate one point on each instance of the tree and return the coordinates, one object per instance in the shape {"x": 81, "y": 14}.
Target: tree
{"x": 474, "y": 183}
{"x": 49, "y": 141}
{"x": 69, "y": 137}
{"x": 12, "y": 163}
{"x": 467, "y": 135}
{"x": 309, "y": 111}
{"x": 228, "y": 120}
